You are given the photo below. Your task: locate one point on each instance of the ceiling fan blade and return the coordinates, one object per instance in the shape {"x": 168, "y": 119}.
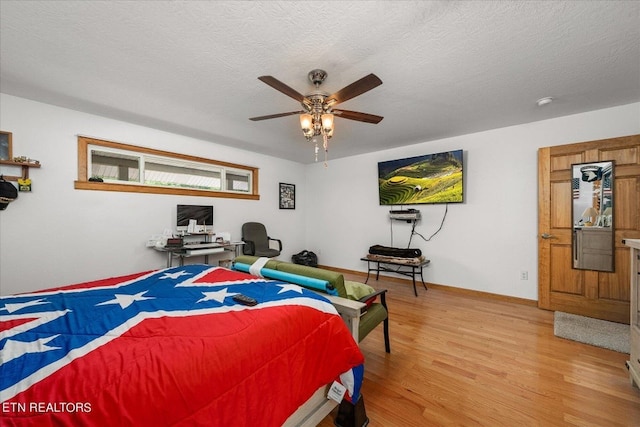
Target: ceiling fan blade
{"x": 355, "y": 115}
{"x": 354, "y": 89}
{"x": 279, "y": 86}
{"x": 275, "y": 116}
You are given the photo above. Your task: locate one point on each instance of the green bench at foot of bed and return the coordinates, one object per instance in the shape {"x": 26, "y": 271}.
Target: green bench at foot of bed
{"x": 372, "y": 310}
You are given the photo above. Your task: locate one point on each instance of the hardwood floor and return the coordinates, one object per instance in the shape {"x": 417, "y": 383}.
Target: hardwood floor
{"x": 459, "y": 359}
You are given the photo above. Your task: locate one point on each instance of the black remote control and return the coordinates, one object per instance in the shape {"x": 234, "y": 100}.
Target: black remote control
{"x": 243, "y": 299}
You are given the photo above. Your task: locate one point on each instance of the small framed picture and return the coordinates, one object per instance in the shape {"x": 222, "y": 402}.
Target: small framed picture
{"x": 5, "y": 146}
{"x": 287, "y": 196}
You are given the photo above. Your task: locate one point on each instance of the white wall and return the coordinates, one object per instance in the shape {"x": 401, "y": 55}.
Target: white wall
{"x": 487, "y": 241}
{"x": 57, "y": 235}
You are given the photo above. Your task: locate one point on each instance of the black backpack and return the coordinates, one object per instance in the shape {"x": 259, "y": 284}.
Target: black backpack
{"x": 305, "y": 258}
{"x": 8, "y": 193}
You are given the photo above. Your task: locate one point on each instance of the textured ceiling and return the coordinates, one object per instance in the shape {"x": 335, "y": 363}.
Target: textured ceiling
{"x": 449, "y": 68}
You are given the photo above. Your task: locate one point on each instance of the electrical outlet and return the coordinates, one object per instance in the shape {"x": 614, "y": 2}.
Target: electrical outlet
{"x": 524, "y": 275}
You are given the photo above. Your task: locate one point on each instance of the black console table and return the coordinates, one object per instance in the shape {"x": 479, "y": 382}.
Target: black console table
{"x": 406, "y": 269}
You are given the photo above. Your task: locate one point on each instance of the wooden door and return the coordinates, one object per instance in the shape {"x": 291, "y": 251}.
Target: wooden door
{"x": 562, "y": 288}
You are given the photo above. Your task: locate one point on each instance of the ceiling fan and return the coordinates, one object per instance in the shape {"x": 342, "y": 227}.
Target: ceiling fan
{"x": 316, "y": 116}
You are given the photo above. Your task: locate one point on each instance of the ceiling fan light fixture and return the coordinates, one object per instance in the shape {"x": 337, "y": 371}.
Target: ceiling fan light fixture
{"x": 327, "y": 123}
{"x": 317, "y": 115}
{"x": 306, "y": 123}
{"x": 330, "y": 133}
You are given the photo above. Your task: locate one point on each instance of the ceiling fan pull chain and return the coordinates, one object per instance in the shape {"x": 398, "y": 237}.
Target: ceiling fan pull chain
{"x": 325, "y": 144}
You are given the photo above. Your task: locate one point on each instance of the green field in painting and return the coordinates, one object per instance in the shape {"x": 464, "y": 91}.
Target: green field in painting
{"x": 422, "y": 182}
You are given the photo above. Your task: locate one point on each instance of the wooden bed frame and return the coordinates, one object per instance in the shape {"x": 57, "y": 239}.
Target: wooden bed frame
{"x": 319, "y": 406}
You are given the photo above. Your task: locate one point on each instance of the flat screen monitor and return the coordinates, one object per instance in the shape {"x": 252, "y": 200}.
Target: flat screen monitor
{"x": 432, "y": 178}
{"x": 202, "y": 214}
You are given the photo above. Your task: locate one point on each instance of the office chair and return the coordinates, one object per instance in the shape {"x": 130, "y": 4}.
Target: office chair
{"x": 257, "y": 242}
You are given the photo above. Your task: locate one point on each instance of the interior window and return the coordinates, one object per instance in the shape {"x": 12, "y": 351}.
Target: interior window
{"x": 238, "y": 181}
{"x": 111, "y": 166}
{"x": 182, "y": 174}
{"x": 115, "y": 167}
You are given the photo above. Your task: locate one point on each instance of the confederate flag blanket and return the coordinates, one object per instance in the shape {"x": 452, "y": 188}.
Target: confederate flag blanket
{"x": 169, "y": 348}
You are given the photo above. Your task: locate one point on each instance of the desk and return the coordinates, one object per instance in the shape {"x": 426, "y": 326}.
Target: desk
{"x": 410, "y": 270}
{"x": 188, "y": 251}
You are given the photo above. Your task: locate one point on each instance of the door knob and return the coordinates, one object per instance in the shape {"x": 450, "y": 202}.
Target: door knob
{"x": 547, "y": 236}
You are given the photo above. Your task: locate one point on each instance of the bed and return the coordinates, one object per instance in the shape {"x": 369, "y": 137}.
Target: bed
{"x": 173, "y": 347}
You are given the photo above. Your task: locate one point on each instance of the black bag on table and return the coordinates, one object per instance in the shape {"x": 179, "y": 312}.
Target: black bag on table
{"x": 305, "y": 258}
{"x": 395, "y": 252}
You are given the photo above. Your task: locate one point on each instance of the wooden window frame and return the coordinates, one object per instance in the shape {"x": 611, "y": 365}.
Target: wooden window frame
{"x": 83, "y": 182}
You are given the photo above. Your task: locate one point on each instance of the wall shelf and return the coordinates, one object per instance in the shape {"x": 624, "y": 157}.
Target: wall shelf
{"x": 25, "y": 169}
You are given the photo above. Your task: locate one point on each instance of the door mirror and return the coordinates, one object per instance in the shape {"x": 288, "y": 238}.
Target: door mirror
{"x": 592, "y": 213}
